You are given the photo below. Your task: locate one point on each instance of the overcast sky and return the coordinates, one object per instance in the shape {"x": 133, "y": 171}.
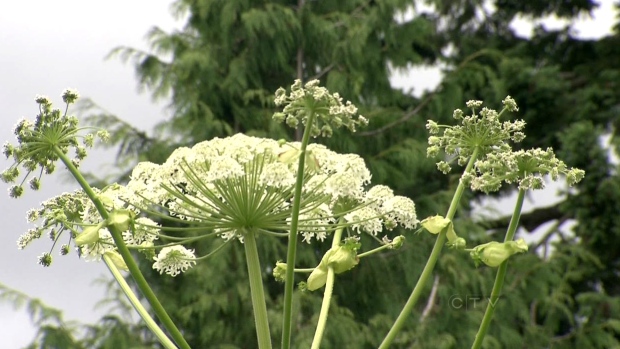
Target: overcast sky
{"x": 47, "y": 46}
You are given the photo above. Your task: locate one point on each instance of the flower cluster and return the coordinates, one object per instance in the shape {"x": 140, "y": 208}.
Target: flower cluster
{"x": 482, "y": 131}
{"x": 229, "y": 186}
{"x": 174, "y": 260}
{"x": 41, "y": 143}
{"x": 316, "y": 104}
{"x": 222, "y": 187}
{"x": 524, "y": 167}
{"x": 74, "y": 216}
{"x": 483, "y": 142}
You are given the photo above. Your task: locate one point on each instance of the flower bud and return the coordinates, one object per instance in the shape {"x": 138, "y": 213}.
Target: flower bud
{"x": 457, "y": 244}
{"x": 289, "y": 156}
{"x": 121, "y": 219}
{"x": 435, "y": 224}
{"x": 106, "y": 201}
{"x": 116, "y": 259}
{"x": 398, "y": 242}
{"x": 317, "y": 278}
{"x": 341, "y": 259}
{"x": 312, "y": 162}
{"x": 89, "y": 235}
{"x": 279, "y": 117}
{"x": 495, "y": 253}
{"x": 279, "y": 272}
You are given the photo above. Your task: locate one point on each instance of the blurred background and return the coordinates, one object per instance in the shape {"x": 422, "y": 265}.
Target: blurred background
{"x": 208, "y": 69}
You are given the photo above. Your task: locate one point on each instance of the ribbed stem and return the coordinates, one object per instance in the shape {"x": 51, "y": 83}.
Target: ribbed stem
{"x": 256, "y": 288}
{"x": 430, "y": 263}
{"x": 327, "y": 297}
{"x": 135, "y": 302}
{"x": 287, "y": 322}
{"x": 499, "y": 277}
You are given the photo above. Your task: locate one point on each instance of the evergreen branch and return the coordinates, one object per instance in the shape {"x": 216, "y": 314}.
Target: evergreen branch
{"x": 131, "y": 139}
{"x": 38, "y": 311}
{"x": 41, "y": 314}
{"x": 530, "y": 220}
{"x": 323, "y": 72}
{"x": 404, "y": 118}
{"x": 548, "y": 234}
{"x": 428, "y": 98}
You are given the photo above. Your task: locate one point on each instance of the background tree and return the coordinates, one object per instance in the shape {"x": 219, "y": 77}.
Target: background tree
{"x": 221, "y": 70}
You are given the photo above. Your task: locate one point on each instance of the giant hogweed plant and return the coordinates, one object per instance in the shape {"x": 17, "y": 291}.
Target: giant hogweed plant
{"x": 241, "y": 188}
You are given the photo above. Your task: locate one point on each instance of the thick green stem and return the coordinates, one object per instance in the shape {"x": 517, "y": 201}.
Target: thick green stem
{"x": 327, "y": 297}
{"x": 256, "y": 288}
{"x": 143, "y": 286}
{"x": 135, "y": 302}
{"x": 499, "y": 277}
{"x": 430, "y": 263}
{"x": 289, "y": 283}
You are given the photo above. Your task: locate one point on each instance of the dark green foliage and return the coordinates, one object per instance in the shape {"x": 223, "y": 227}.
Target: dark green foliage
{"x": 220, "y": 72}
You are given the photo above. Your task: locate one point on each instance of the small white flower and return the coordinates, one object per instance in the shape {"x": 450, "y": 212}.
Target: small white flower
{"x": 510, "y": 104}
{"x": 94, "y": 251}
{"x": 365, "y": 219}
{"x": 28, "y": 237}
{"x": 174, "y": 260}
{"x": 401, "y": 210}
{"x": 145, "y": 231}
{"x": 378, "y": 194}
{"x": 224, "y": 167}
{"x": 473, "y": 104}
{"x": 312, "y": 223}
{"x": 70, "y": 95}
{"x": 278, "y": 175}
{"x": 42, "y": 99}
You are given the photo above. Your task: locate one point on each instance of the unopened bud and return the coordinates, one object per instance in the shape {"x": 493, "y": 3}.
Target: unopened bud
{"x": 89, "y": 235}
{"x": 121, "y": 219}
{"x": 116, "y": 259}
{"x": 495, "y": 253}
{"x": 279, "y": 272}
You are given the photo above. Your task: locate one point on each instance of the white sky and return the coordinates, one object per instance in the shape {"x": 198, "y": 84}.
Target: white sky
{"x": 47, "y": 46}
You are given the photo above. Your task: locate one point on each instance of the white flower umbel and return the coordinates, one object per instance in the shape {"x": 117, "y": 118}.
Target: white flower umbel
{"x": 228, "y": 186}
{"x": 69, "y": 215}
{"x": 524, "y": 167}
{"x": 40, "y": 141}
{"x": 174, "y": 260}
{"x": 483, "y": 131}
{"x": 314, "y": 100}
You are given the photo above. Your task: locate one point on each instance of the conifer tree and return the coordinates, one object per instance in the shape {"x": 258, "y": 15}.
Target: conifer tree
{"x": 221, "y": 70}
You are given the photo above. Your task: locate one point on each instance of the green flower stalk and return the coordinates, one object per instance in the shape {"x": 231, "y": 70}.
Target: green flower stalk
{"x": 477, "y": 135}
{"x": 40, "y": 145}
{"x": 228, "y": 187}
{"x": 339, "y": 258}
{"x": 320, "y": 112}
{"x": 527, "y": 169}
